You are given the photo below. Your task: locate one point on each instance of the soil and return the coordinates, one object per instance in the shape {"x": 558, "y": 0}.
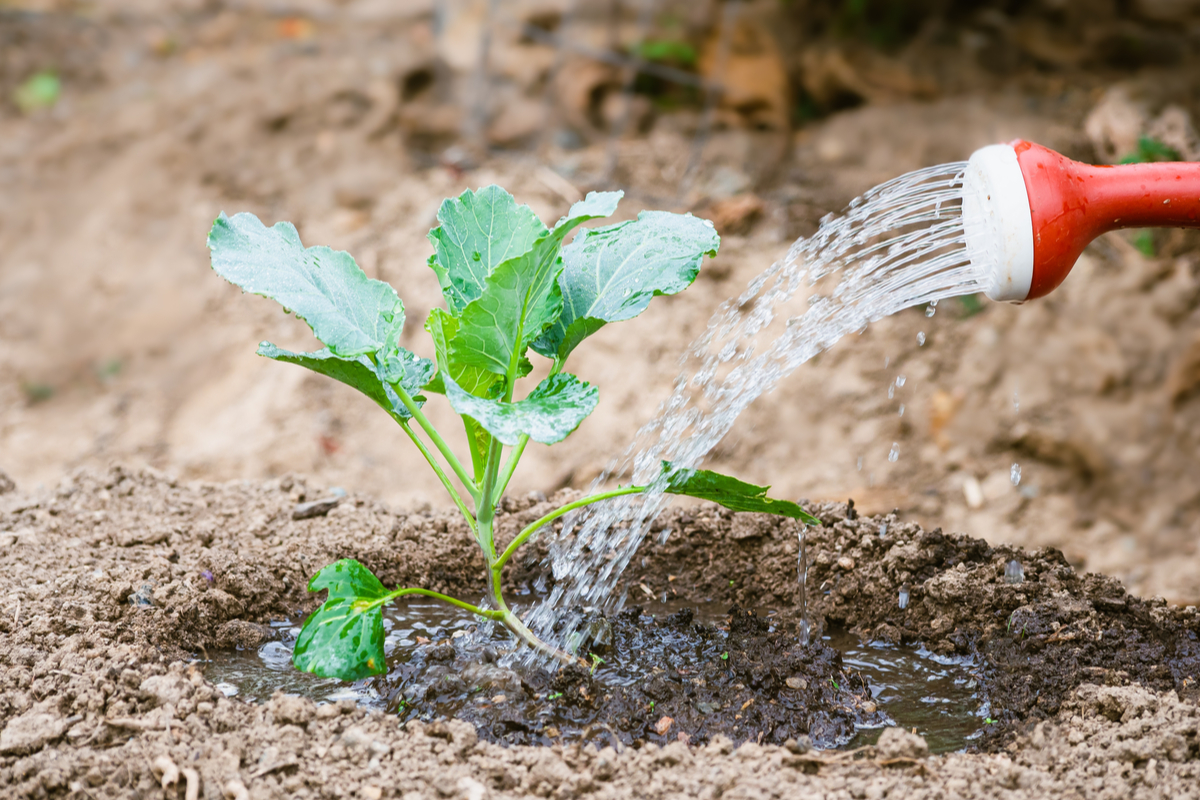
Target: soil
{"x": 664, "y": 679}
{"x": 118, "y": 345}
{"x": 116, "y": 584}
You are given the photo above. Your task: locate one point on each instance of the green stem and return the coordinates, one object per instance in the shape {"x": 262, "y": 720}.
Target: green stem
{"x": 509, "y": 466}
{"x": 521, "y": 630}
{"x": 553, "y": 515}
{"x": 442, "y": 476}
{"x": 483, "y": 612}
{"x": 438, "y": 441}
{"x": 486, "y": 509}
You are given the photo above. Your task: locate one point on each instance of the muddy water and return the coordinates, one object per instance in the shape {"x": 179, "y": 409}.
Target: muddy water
{"x": 443, "y": 664}
{"x": 937, "y": 696}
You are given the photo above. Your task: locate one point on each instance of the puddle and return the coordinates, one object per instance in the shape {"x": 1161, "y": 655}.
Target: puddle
{"x": 463, "y": 675}
{"x": 939, "y": 696}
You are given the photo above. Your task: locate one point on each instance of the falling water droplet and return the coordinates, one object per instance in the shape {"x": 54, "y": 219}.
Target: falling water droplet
{"x": 921, "y": 339}
{"x": 860, "y": 463}
{"x": 931, "y": 309}
{"x": 1014, "y": 474}
{"x": 894, "y": 453}
{"x": 1014, "y": 573}
{"x": 802, "y": 577}
{"x": 903, "y": 595}
{"x": 902, "y": 409}
{"x": 886, "y": 360}
{"x": 891, "y": 392}
{"x": 882, "y": 529}
{"x": 900, "y": 380}
{"x": 1016, "y": 402}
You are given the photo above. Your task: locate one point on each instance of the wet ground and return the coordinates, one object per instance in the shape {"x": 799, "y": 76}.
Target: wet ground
{"x": 103, "y": 671}
{"x": 684, "y": 666}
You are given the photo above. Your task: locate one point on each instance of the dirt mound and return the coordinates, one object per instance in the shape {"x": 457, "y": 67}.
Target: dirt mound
{"x": 114, "y": 581}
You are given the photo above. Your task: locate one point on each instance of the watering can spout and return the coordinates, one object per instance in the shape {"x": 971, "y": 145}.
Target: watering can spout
{"x": 1028, "y": 212}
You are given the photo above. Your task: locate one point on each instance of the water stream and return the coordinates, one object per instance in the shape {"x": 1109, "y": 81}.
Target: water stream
{"x": 899, "y": 245}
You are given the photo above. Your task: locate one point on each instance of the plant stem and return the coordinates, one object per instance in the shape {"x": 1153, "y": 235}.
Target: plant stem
{"x": 485, "y": 510}
{"x": 483, "y": 612}
{"x": 442, "y": 476}
{"x": 553, "y": 515}
{"x": 521, "y": 630}
{"x": 509, "y": 466}
{"x": 438, "y": 441}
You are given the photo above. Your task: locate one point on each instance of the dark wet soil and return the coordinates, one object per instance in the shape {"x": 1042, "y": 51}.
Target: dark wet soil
{"x": 1035, "y": 640}
{"x": 661, "y": 679}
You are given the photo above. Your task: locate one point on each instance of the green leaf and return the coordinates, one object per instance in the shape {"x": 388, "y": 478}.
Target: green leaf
{"x": 351, "y": 313}
{"x": 414, "y": 372}
{"x": 442, "y": 326}
{"x": 478, "y": 231}
{"x": 548, "y": 415}
{"x": 729, "y": 492}
{"x": 344, "y": 638}
{"x": 521, "y": 297}
{"x": 611, "y": 274}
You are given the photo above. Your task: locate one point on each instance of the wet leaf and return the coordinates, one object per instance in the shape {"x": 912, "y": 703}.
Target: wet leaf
{"x": 730, "y": 492}
{"x": 548, "y": 415}
{"x": 478, "y": 231}
{"x": 611, "y": 274}
{"x": 442, "y": 326}
{"x": 521, "y": 296}
{"x": 360, "y": 373}
{"x": 351, "y": 313}
{"x": 344, "y": 638}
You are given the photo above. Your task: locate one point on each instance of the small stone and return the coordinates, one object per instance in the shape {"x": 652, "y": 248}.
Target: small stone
{"x": 868, "y": 707}
{"x": 846, "y": 563}
{"x": 371, "y": 792}
{"x": 498, "y": 699}
{"x": 663, "y": 725}
{"x": 796, "y": 682}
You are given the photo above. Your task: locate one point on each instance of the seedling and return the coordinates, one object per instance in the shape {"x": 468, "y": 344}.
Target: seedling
{"x": 511, "y": 285}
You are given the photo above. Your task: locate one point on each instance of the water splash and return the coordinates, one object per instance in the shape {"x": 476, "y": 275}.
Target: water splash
{"x": 1014, "y": 474}
{"x": 900, "y": 245}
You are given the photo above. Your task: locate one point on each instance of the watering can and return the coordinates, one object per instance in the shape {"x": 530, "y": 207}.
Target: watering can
{"x": 1028, "y": 212}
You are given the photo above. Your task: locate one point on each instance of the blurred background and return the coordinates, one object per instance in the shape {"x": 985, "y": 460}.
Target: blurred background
{"x": 125, "y": 127}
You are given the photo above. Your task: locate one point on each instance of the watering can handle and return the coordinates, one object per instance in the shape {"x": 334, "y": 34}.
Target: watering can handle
{"x": 1071, "y": 203}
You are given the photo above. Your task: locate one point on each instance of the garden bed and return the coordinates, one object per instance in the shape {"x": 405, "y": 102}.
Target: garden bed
{"x": 118, "y": 586}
